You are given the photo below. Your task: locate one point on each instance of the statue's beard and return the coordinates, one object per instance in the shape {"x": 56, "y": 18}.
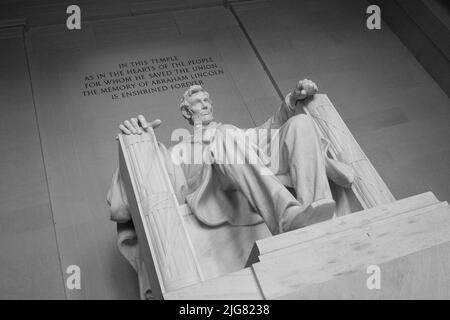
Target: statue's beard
{"x": 203, "y": 119}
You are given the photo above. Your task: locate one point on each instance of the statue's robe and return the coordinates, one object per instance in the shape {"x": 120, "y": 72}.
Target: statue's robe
{"x": 211, "y": 198}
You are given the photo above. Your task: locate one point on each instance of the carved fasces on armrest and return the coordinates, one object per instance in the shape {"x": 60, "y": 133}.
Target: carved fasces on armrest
{"x": 156, "y": 215}
{"x": 368, "y": 186}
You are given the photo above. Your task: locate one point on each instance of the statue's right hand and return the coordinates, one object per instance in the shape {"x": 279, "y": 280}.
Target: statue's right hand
{"x": 138, "y": 125}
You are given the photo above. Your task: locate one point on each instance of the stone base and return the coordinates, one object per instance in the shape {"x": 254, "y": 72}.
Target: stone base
{"x": 406, "y": 243}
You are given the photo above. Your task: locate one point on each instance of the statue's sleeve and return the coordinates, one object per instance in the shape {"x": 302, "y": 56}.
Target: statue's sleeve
{"x": 283, "y": 113}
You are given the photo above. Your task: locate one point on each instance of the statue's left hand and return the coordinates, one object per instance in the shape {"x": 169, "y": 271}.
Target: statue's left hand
{"x": 304, "y": 88}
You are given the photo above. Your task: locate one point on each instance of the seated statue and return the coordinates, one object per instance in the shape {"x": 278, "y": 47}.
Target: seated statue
{"x": 287, "y": 189}
{"x": 303, "y": 164}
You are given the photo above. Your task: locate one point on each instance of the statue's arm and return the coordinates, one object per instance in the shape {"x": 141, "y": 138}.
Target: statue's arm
{"x": 280, "y": 116}
{"x": 290, "y": 106}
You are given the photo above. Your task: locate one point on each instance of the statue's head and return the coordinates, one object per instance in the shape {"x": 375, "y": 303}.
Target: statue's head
{"x": 196, "y": 106}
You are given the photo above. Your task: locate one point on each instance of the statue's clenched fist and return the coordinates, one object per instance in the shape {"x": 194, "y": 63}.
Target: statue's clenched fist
{"x": 138, "y": 125}
{"x": 304, "y": 88}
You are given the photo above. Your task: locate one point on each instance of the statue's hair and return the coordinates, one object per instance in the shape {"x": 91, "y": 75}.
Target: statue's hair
{"x": 188, "y": 93}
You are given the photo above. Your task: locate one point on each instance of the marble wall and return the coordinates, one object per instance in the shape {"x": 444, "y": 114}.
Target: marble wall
{"x": 29, "y": 258}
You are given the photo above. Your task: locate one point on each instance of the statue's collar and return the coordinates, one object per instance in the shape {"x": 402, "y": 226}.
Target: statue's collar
{"x": 212, "y": 124}
{"x": 207, "y": 132}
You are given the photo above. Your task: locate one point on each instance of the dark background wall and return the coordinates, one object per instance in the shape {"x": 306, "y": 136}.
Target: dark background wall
{"x": 423, "y": 26}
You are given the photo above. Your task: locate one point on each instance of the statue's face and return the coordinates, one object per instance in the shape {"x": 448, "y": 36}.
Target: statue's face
{"x": 201, "y": 108}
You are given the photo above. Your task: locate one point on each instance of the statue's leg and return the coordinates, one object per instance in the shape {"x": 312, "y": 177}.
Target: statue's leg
{"x": 301, "y": 156}
{"x": 236, "y": 159}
